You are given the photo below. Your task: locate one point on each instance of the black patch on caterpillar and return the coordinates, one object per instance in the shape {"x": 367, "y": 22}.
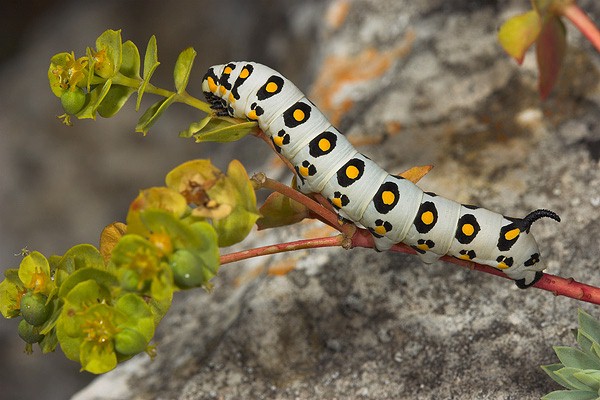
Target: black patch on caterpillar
{"x": 534, "y": 259}
{"x": 431, "y": 194}
{"x": 282, "y": 137}
{"x": 426, "y": 217}
{"x": 224, "y": 79}
{"x": 509, "y": 235}
{"x": 428, "y": 244}
{"x": 467, "y": 254}
{"x": 470, "y": 207}
{"x": 264, "y": 94}
{"x": 291, "y": 120}
{"x": 344, "y": 200}
{"x": 467, "y": 223}
{"x": 385, "y": 224}
{"x": 239, "y": 81}
{"x": 508, "y": 261}
{"x": 383, "y": 205}
{"x": 350, "y": 172}
{"x": 326, "y": 139}
{"x": 310, "y": 170}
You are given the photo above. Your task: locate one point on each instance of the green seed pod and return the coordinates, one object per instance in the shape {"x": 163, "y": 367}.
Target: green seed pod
{"x": 130, "y": 342}
{"x": 73, "y": 100}
{"x": 29, "y": 333}
{"x": 187, "y": 269}
{"x": 34, "y": 308}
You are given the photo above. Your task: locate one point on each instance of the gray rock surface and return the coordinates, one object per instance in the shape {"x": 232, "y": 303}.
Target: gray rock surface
{"x": 342, "y": 324}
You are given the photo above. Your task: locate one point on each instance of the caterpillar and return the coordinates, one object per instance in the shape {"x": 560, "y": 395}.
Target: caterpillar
{"x": 392, "y": 208}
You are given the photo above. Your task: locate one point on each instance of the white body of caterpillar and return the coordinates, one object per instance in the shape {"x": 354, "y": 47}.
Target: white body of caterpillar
{"x": 392, "y": 208}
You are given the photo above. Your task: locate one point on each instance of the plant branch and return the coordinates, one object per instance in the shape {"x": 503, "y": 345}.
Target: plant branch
{"x": 583, "y": 23}
{"x": 330, "y": 241}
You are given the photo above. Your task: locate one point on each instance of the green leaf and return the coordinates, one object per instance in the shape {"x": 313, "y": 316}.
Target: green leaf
{"x": 96, "y": 358}
{"x": 279, "y": 210}
{"x": 130, "y": 63}
{"x": 590, "y": 378}
{"x": 139, "y": 315}
{"x": 518, "y": 33}
{"x": 58, "y": 61}
{"x": 110, "y": 42}
{"x": 576, "y": 358}
{"x": 550, "y": 51}
{"x": 183, "y": 69}
{"x": 34, "y": 272}
{"x": 551, "y": 370}
{"x": 102, "y": 278}
{"x": 93, "y": 101}
{"x": 10, "y": 298}
{"x": 114, "y": 100}
{"x": 571, "y": 395}
{"x": 150, "y": 65}
{"x": 567, "y": 374}
{"x": 195, "y": 127}
{"x": 589, "y": 326}
{"x": 78, "y": 257}
{"x": 224, "y": 130}
{"x": 153, "y": 113}
{"x": 236, "y": 226}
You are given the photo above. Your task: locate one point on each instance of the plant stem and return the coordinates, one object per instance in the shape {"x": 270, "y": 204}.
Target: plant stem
{"x": 330, "y": 241}
{"x": 583, "y": 23}
{"x": 183, "y": 97}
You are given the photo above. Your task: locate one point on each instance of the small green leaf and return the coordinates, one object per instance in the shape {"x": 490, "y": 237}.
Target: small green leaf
{"x": 150, "y": 65}
{"x": 10, "y": 298}
{"x": 110, "y": 42}
{"x": 550, "y": 51}
{"x": 589, "y": 326}
{"x": 183, "y": 69}
{"x": 573, "y": 383}
{"x": 590, "y": 378}
{"x": 551, "y": 371}
{"x": 576, "y": 358}
{"x": 78, "y": 257}
{"x": 518, "y": 33}
{"x": 279, "y": 210}
{"x": 57, "y": 64}
{"x": 195, "y": 127}
{"x": 236, "y": 226}
{"x": 130, "y": 63}
{"x": 114, "y": 100}
{"x": 102, "y": 278}
{"x": 571, "y": 395}
{"x": 34, "y": 272}
{"x": 94, "y": 99}
{"x": 224, "y": 130}
{"x": 153, "y": 113}
{"x": 97, "y": 358}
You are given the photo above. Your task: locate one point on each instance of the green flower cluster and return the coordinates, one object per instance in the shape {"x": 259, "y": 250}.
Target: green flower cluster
{"x": 102, "y": 305}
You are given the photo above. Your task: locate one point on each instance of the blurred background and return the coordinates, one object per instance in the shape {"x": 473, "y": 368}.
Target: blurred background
{"x": 59, "y": 186}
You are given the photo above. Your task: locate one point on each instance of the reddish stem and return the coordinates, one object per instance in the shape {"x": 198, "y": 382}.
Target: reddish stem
{"x": 583, "y": 23}
{"x": 330, "y": 241}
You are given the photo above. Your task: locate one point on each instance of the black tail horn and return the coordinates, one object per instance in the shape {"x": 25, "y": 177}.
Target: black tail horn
{"x": 537, "y": 214}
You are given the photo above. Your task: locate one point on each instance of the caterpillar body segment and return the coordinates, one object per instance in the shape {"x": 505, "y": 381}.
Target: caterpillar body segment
{"x": 392, "y": 208}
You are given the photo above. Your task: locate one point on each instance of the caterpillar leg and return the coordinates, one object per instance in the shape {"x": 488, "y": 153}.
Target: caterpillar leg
{"x": 528, "y": 282}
